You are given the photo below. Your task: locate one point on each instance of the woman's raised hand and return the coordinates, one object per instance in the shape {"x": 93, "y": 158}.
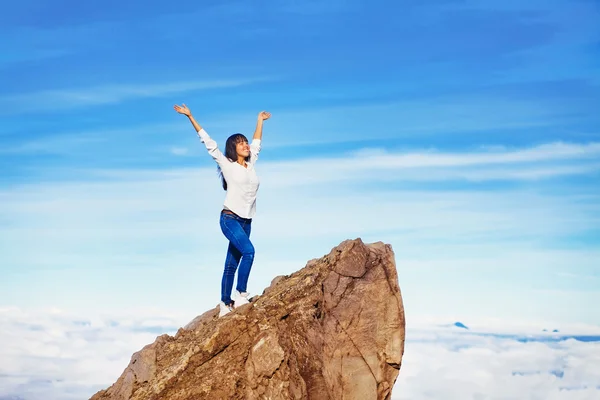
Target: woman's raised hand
{"x": 263, "y": 115}
{"x": 182, "y": 110}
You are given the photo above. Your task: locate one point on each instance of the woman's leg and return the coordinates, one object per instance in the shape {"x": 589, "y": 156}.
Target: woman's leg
{"x": 244, "y": 272}
{"x": 237, "y": 231}
{"x": 231, "y": 263}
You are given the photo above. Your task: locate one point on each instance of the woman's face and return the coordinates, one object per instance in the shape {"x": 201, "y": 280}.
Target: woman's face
{"x": 242, "y": 148}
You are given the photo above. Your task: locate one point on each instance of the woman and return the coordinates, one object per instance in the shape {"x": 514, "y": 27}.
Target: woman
{"x": 239, "y": 179}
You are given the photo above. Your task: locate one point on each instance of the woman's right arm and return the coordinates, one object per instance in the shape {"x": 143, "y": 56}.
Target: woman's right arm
{"x": 210, "y": 144}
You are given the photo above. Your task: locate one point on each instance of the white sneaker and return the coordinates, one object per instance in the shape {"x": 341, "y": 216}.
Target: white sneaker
{"x": 240, "y": 299}
{"x": 224, "y": 309}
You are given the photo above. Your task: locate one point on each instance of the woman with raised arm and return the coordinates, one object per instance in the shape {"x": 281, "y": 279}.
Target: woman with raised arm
{"x": 239, "y": 179}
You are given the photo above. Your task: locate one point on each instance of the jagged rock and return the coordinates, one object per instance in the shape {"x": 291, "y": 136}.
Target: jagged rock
{"x": 332, "y": 330}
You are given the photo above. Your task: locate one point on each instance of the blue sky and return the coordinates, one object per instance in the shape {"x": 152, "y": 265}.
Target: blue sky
{"x": 463, "y": 133}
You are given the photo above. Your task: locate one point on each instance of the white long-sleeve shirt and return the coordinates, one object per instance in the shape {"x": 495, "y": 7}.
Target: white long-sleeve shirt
{"x": 242, "y": 182}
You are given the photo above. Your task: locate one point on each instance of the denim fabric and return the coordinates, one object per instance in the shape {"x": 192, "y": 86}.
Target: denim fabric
{"x": 237, "y": 230}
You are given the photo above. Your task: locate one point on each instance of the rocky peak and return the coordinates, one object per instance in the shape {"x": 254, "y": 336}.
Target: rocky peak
{"x": 332, "y": 330}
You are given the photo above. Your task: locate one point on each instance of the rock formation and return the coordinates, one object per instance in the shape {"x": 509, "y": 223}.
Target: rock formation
{"x": 332, "y": 330}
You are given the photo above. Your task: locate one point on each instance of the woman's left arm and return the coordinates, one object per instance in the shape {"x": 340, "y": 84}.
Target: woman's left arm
{"x": 262, "y": 116}
{"x": 257, "y": 138}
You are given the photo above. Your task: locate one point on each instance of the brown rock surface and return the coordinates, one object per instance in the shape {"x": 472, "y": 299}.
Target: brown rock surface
{"x": 332, "y": 330}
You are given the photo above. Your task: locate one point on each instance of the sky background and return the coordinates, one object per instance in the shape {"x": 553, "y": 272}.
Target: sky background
{"x": 463, "y": 133}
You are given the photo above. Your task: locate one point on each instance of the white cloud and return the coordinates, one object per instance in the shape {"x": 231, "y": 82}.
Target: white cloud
{"x": 57, "y": 144}
{"x": 364, "y": 166}
{"x": 88, "y": 141}
{"x": 572, "y": 275}
{"x": 376, "y": 164}
{"x": 54, "y": 354}
{"x": 107, "y": 94}
{"x": 544, "y": 152}
{"x": 179, "y": 151}
{"x": 451, "y": 363}
{"x": 540, "y": 162}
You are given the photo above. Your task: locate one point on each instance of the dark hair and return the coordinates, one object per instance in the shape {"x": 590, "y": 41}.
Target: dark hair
{"x": 231, "y": 153}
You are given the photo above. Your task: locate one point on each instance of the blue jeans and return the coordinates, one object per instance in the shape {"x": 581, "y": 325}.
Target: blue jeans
{"x": 237, "y": 230}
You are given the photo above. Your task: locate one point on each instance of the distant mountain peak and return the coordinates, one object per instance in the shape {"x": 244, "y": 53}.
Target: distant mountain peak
{"x": 460, "y": 325}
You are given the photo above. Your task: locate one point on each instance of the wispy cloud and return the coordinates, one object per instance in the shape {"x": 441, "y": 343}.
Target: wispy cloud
{"x": 578, "y": 276}
{"x": 538, "y": 162}
{"x": 544, "y": 152}
{"x": 179, "y": 151}
{"x": 55, "y": 144}
{"x": 19, "y": 55}
{"x": 59, "y": 99}
{"x": 88, "y": 141}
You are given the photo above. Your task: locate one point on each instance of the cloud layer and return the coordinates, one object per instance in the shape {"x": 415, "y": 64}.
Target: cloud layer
{"x": 452, "y": 363}
{"x": 53, "y": 354}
